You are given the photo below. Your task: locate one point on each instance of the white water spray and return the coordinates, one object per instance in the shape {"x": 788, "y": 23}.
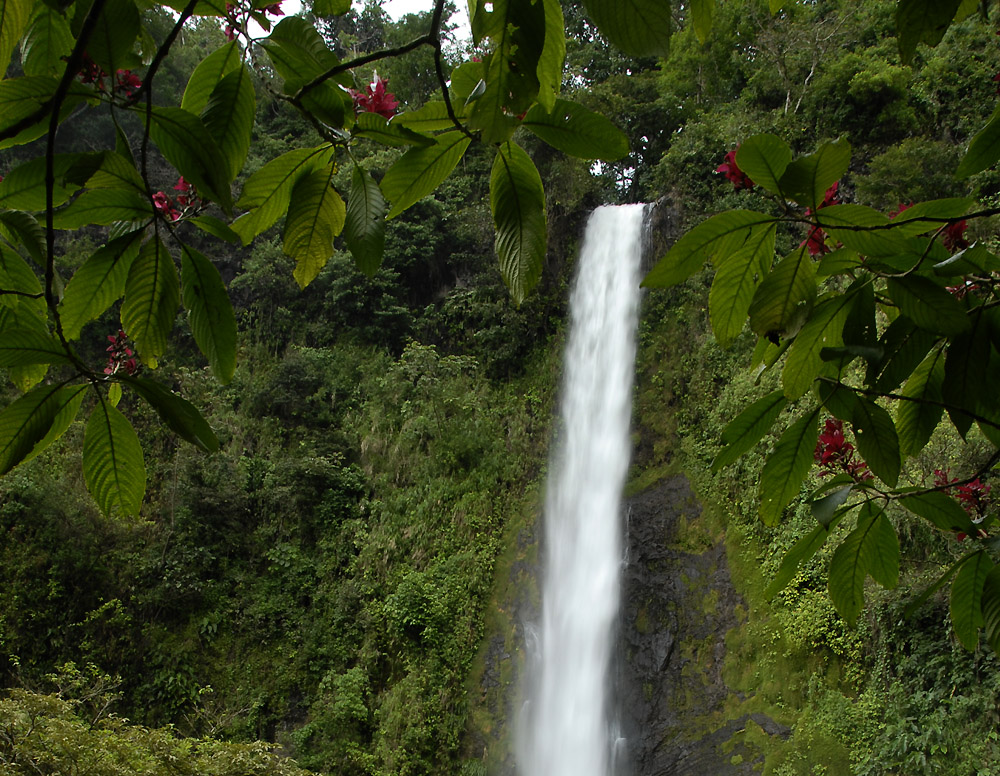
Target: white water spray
{"x": 567, "y": 731}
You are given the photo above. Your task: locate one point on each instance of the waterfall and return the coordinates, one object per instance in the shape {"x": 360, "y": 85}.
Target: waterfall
{"x": 568, "y": 727}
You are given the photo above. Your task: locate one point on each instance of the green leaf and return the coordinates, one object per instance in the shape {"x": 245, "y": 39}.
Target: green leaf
{"x": 764, "y": 158}
{"x": 804, "y": 549}
{"x": 940, "y": 509}
{"x": 928, "y": 305}
{"x": 966, "y": 366}
{"x": 315, "y": 216}
{"x": 966, "y": 598}
{"x": 991, "y": 608}
{"x": 390, "y": 133}
{"x": 984, "y": 150}
{"x": 117, "y": 171}
{"x": 103, "y": 207}
{"x": 916, "y": 420}
{"x": 904, "y": 345}
{"x": 716, "y": 238}
{"x": 877, "y": 441}
{"x": 16, "y": 275}
{"x": 216, "y": 227}
{"x": 268, "y": 192}
{"x": 229, "y": 115}
{"x": 702, "y": 15}
{"x": 210, "y": 71}
{"x": 25, "y": 422}
{"x": 640, "y": 28}
{"x": 553, "y": 56}
{"x": 20, "y": 227}
{"x": 68, "y": 402}
{"x": 517, "y": 201}
{"x": 781, "y": 303}
{"x": 178, "y": 413}
{"x": 922, "y": 21}
{"x": 14, "y": 18}
{"x": 577, "y": 131}
{"x": 429, "y": 117}
{"x": 737, "y": 278}
{"x": 941, "y": 581}
{"x": 824, "y": 329}
{"x": 871, "y": 547}
{"x": 22, "y": 347}
{"x": 188, "y": 145}
{"x": 21, "y": 97}
{"x": 117, "y": 28}
{"x": 46, "y": 41}
{"x": 23, "y": 187}
{"x": 98, "y": 283}
{"x": 806, "y": 179}
{"x": 748, "y": 428}
{"x": 331, "y": 7}
{"x": 213, "y": 323}
{"x": 421, "y": 170}
{"x": 787, "y": 466}
{"x": 151, "y": 300}
{"x": 862, "y": 229}
{"x": 364, "y": 230}
{"x": 112, "y": 461}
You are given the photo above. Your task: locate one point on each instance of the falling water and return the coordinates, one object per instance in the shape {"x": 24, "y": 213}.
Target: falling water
{"x": 568, "y": 728}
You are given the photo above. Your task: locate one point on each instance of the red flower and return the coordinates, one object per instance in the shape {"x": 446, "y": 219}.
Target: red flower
{"x": 121, "y": 358}
{"x": 733, "y": 173}
{"x": 91, "y": 73}
{"x": 377, "y": 100}
{"x": 953, "y": 237}
{"x": 274, "y": 9}
{"x": 900, "y": 208}
{"x": 816, "y": 242}
{"x": 835, "y": 453}
{"x": 188, "y": 195}
{"x": 128, "y": 82}
{"x": 165, "y": 205}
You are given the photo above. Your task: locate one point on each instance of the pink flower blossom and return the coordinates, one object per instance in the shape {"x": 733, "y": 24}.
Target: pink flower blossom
{"x": 376, "y": 100}
{"x": 733, "y": 173}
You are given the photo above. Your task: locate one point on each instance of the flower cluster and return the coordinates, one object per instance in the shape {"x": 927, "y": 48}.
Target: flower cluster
{"x": 973, "y": 496}
{"x": 733, "y": 173}
{"x": 835, "y": 454}
{"x": 816, "y": 241}
{"x": 120, "y": 358}
{"x": 168, "y": 206}
{"x": 234, "y": 12}
{"x": 125, "y": 81}
{"x": 953, "y": 237}
{"x": 375, "y": 99}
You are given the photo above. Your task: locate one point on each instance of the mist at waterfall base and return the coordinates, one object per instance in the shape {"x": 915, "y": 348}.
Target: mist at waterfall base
{"x": 568, "y": 721}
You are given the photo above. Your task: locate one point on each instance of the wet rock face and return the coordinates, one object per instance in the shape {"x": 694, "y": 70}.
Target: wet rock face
{"x": 677, "y": 605}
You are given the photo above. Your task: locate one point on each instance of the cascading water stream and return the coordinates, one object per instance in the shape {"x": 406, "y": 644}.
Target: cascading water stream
{"x": 567, "y": 730}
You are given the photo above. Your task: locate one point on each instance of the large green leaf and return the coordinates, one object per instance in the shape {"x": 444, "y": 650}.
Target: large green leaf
{"x": 23, "y": 228}
{"x": 517, "y": 201}
{"x": 22, "y": 347}
{"x": 922, "y": 21}
{"x": 928, "y": 305}
{"x": 824, "y": 329}
{"x": 16, "y": 275}
{"x": 804, "y": 549}
{"x": 117, "y": 171}
{"x": 112, "y": 461}
{"x": 991, "y": 608}
{"x": 98, "y": 282}
{"x": 177, "y": 412}
{"x": 984, "y": 150}
{"x": 113, "y": 36}
{"x": 904, "y": 346}
{"x": 14, "y": 18}
{"x": 966, "y": 366}
{"x": 550, "y": 63}
{"x": 748, "y": 428}
{"x": 764, "y": 158}
{"x": 331, "y": 7}
{"x": 24, "y": 186}
{"x": 229, "y": 115}
{"x": 640, "y": 28}
{"x": 806, "y": 179}
{"x": 213, "y": 323}
{"x": 210, "y": 71}
{"x": 871, "y": 547}
{"x": 878, "y": 444}
{"x": 702, "y": 15}
{"x": 421, "y": 170}
{"x": 68, "y": 401}
{"x": 781, "y": 303}
{"x": 917, "y": 419}
{"x": 863, "y": 229}
{"x": 787, "y": 465}
{"x": 940, "y": 509}
{"x": 429, "y": 117}
{"x": 20, "y": 98}
{"x": 103, "y": 207}
{"x": 188, "y": 145}
{"x": 47, "y": 41}
{"x": 316, "y": 215}
{"x": 151, "y": 300}
{"x": 577, "y": 131}
{"x": 966, "y": 598}
{"x": 26, "y": 422}
{"x": 735, "y": 282}
{"x": 716, "y": 238}
{"x": 391, "y": 133}
{"x": 269, "y": 190}
{"x": 364, "y": 230}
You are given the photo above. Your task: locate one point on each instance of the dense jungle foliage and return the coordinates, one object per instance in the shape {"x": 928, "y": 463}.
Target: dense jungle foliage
{"x": 321, "y": 581}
